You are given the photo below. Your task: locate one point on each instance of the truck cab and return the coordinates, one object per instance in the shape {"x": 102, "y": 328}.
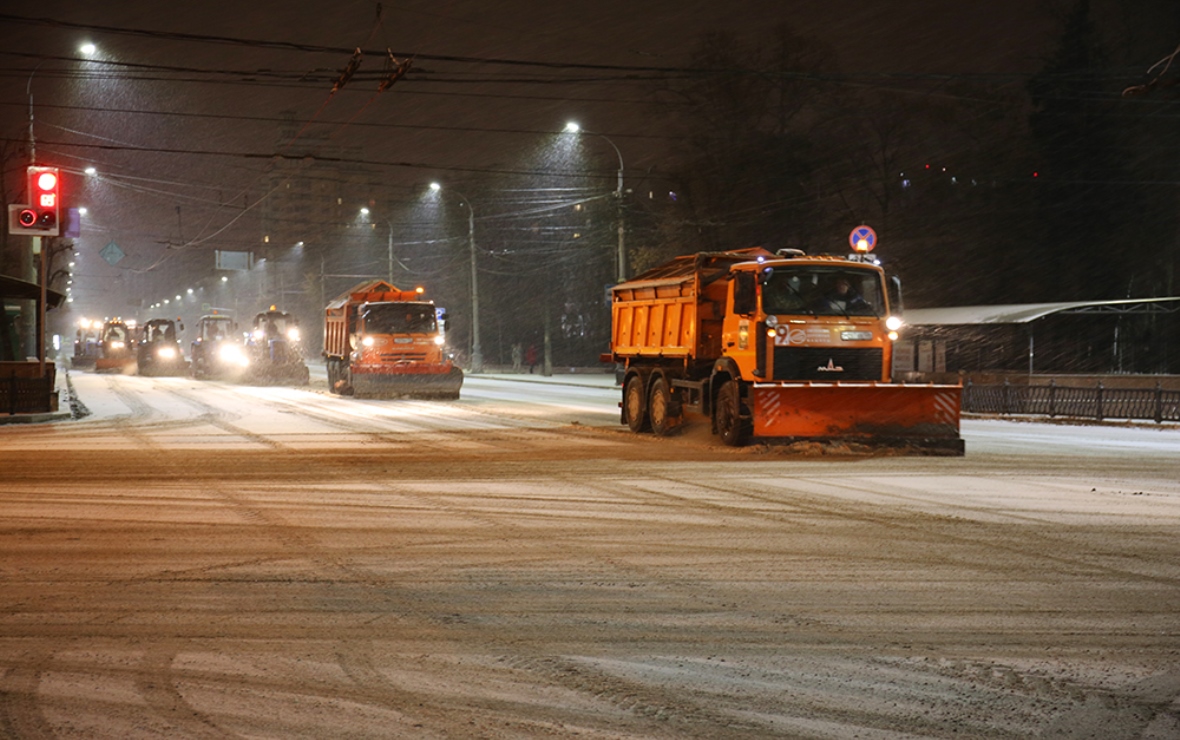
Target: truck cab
{"x": 824, "y": 319}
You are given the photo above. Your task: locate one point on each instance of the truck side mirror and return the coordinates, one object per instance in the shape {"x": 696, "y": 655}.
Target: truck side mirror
{"x": 745, "y": 293}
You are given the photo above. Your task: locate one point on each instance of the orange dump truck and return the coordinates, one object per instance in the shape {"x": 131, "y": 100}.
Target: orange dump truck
{"x": 779, "y": 346}
{"x": 382, "y": 341}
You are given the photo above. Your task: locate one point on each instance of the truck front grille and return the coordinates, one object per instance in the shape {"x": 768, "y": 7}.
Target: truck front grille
{"x": 403, "y": 357}
{"x": 827, "y": 363}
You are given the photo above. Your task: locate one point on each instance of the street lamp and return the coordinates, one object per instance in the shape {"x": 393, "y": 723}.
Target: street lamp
{"x": 621, "y": 258}
{"x": 365, "y": 212}
{"x": 476, "y": 350}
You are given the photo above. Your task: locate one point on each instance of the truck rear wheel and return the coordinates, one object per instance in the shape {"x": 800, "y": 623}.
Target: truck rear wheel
{"x": 661, "y": 408}
{"x": 731, "y": 427}
{"x": 635, "y": 405}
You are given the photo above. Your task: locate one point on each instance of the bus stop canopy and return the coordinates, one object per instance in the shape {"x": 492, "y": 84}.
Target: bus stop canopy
{"x": 23, "y": 290}
{"x": 1024, "y": 313}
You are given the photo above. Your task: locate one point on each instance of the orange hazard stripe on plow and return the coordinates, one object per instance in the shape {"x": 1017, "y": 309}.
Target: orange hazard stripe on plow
{"x": 857, "y": 410}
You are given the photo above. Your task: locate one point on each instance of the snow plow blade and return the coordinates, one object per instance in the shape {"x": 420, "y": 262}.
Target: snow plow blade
{"x": 920, "y": 417}
{"x": 113, "y": 363}
{"x": 411, "y": 385}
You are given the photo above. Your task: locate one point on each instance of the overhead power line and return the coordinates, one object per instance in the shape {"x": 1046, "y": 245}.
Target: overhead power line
{"x": 272, "y": 156}
{"x": 316, "y": 48}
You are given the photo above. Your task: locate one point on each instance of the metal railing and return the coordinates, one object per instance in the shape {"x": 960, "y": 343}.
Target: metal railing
{"x": 1052, "y": 400}
{"x": 25, "y": 395}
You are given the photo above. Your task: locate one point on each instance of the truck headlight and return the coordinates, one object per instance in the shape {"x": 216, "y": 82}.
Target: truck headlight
{"x": 893, "y": 323}
{"x": 166, "y": 353}
{"x": 293, "y": 334}
{"x": 232, "y": 353}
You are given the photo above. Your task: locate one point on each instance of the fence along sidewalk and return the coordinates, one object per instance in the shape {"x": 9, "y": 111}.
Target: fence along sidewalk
{"x": 1052, "y": 400}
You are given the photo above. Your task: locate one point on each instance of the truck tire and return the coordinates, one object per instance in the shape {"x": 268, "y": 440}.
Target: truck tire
{"x": 731, "y": 427}
{"x": 661, "y": 409}
{"x": 635, "y": 405}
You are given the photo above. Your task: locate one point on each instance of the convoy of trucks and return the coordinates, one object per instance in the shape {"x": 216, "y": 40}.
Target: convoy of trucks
{"x": 772, "y": 345}
{"x": 381, "y": 341}
{"x": 769, "y": 345}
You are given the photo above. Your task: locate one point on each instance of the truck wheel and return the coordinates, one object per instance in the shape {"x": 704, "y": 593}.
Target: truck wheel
{"x": 635, "y": 405}
{"x": 730, "y": 425}
{"x": 660, "y": 408}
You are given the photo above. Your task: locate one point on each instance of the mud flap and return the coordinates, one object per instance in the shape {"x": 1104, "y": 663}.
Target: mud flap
{"x": 920, "y": 416}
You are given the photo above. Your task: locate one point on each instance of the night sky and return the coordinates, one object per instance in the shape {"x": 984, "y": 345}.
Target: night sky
{"x": 204, "y": 86}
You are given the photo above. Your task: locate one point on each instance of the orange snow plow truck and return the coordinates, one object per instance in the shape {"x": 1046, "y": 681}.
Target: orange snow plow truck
{"x": 784, "y": 347}
{"x": 380, "y": 341}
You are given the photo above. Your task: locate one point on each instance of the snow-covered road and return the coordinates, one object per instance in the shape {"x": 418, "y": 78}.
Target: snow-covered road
{"x": 207, "y": 560}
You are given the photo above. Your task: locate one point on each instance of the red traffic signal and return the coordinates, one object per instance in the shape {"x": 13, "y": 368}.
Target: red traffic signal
{"x": 45, "y": 199}
{"x": 42, "y": 216}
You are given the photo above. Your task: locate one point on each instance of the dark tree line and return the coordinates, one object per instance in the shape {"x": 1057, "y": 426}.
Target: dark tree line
{"x": 983, "y": 190}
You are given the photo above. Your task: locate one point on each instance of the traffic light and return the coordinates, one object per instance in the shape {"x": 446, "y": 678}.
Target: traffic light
{"x": 42, "y": 216}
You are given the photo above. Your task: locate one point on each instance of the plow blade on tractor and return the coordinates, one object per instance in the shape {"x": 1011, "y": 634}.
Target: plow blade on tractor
{"x": 919, "y": 417}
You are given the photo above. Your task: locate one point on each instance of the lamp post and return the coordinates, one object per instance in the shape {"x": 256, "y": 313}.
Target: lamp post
{"x": 621, "y": 257}
{"x": 389, "y": 243}
{"x": 476, "y": 350}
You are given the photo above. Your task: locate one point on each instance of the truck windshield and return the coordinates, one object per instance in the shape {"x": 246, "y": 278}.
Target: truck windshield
{"x": 823, "y": 291}
{"x": 400, "y": 318}
{"x": 215, "y": 329}
{"x": 274, "y": 324}
{"x": 116, "y": 333}
{"x": 159, "y": 331}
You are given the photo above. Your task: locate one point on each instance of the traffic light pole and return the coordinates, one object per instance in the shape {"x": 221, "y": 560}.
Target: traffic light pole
{"x": 39, "y": 244}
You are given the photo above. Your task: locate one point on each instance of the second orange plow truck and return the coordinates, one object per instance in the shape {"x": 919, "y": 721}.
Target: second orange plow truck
{"x": 380, "y": 341}
{"x": 776, "y": 346}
